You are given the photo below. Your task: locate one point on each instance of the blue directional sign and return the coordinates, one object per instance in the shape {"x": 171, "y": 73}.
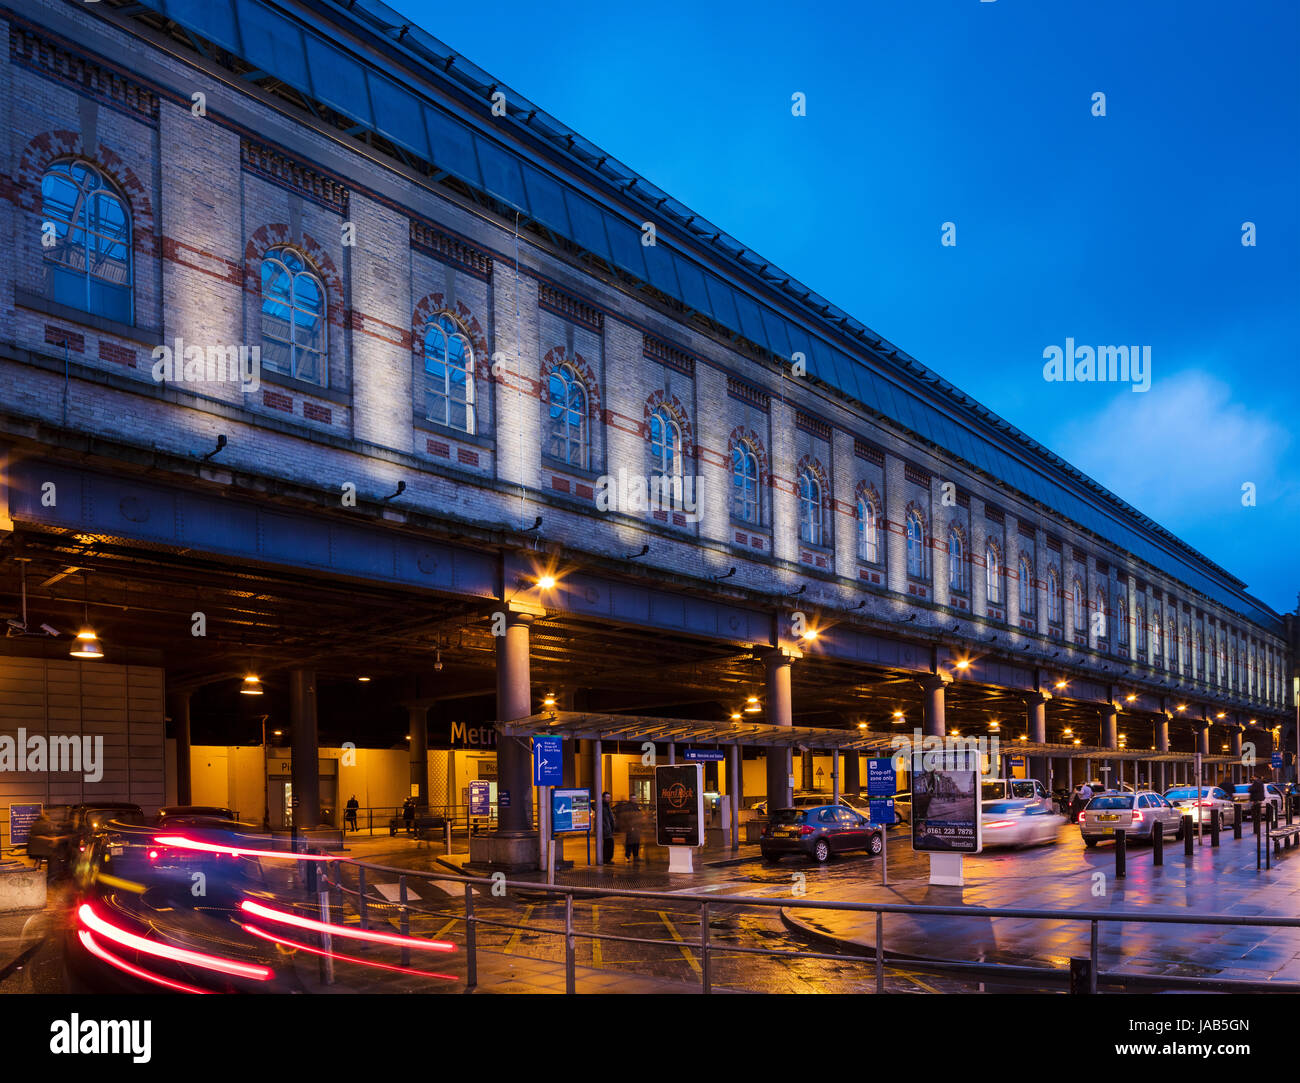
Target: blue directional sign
{"x": 548, "y": 765}
{"x": 480, "y": 798}
{"x": 1277, "y": 759}
{"x": 882, "y": 811}
{"x": 704, "y": 755}
{"x": 882, "y": 779}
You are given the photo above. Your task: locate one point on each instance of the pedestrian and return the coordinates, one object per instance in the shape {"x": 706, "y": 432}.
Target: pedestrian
{"x": 1082, "y": 796}
{"x": 352, "y": 806}
{"x": 607, "y": 827}
{"x": 408, "y": 815}
{"x": 1258, "y": 795}
{"x": 632, "y": 833}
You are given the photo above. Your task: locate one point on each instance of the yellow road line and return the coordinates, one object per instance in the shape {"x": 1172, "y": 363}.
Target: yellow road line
{"x": 443, "y": 930}
{"x": 513, "y": 942}
{"x": 916, "y": 981}
{"x": 687, "y": 954}
{"x": 597, "y": 953}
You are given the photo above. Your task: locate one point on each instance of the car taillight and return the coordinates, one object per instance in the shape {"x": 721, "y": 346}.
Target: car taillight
{"x": 998, "y": 823}
{"x": 805, "y": 830}
{"x": 1137, "y": 816}
{"x": 153, "y": 855}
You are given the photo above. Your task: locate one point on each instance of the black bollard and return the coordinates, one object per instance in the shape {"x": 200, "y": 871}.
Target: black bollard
{"x": 1158, "y": 844}
{"x": 1120, "y": 854}
{"x": 1188, "y": 835}
{"x": 1214, "y": 827}
{"x": 1256, "y": 812}
{"x": 1236, "y": 822}
{"x": 1290, "y": 807}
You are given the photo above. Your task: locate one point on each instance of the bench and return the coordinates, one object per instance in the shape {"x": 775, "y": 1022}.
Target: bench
{"x": 1284, "y": 836}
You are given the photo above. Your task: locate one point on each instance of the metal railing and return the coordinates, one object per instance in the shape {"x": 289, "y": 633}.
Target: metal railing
{"x": 706, "y": 948}
{"x": 379, "y": 818}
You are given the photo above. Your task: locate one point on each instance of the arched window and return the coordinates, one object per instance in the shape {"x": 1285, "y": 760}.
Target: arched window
{"x": 1156, "y": 624}
{"x": 294, "y": 338}
{"x": 993, "y": 574}
{"x": 1121, "y": 621}
{"x": 1026, "y": 587}
{"x": 1080, "y": 618}
{"x": 1171, "y": 643}
{"x": 1101, "y": 608}
{"x": 568, "y": 438}
{"x": 1053, "y": 597}
{"x": 810, "y": 507}
{"x": 87, "y": 260}
{"x": 1140, "y": 627}
{"x": 665, "y": 443}
{"x": 915, "y": 545}
{"x": 868, "y": 531}
{"x": 956, "y": 561}
{"x": 449, "y": 375}
{"x": 745, "y": 504}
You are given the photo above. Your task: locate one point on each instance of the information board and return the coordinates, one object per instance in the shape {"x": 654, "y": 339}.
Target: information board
{"x": 570, "y": 811}
{"x": 21, "y": 818}
{"x": 548, "y": 763}
{"x": 882, "y": 810}
{"x": 480, "y": 798}
{"x": 679, "y": 804}
{"x": 703, "y": 755}
{"x": 946, "y": 804}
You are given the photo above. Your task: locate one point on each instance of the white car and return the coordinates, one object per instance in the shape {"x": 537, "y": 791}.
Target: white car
{"x": 1273, "y": 796}
{"x": 1019, "y": 823}
{"x": 1185, "y": 799}
{"x": 1135, "y": 814}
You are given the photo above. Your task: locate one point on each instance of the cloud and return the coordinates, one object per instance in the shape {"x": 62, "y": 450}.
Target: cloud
{"x": 1181, "y": 452}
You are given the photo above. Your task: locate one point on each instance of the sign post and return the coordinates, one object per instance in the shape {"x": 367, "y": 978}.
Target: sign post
{"x": 548, "y": 772}
{"x": 679, "y": 812}
{"x": 882, "y": 784}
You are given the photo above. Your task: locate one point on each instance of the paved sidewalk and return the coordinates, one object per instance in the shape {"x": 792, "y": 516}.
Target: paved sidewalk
{"x": 1067, "y": 877}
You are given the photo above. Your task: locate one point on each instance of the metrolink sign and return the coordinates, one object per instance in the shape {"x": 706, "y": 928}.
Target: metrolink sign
{"x": 472, "y": 736}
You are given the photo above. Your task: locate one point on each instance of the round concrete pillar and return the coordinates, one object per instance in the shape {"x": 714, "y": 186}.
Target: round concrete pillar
{"x": 852, "y": 768}
{"x": 514, "y": 756}
{"x": 419, "y": 754}
{"x": 780, "y": 712}
{"x": 933, "y": 719}
{"x": 1036, "y": 712}
{"x": 1109, "y": 728}
{"x": 178, "y": 710}
{"x": 306, "y": 748}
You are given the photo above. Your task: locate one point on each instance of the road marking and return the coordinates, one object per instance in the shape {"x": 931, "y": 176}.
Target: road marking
{"x": 443, "y": 930}
{"x": 597, "y": 952}
{"x": 681, "y": 944}
{"x": 513, "y": 942}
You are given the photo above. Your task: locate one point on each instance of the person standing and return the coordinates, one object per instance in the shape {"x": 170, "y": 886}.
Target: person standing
{"x": 632, "y": 833}
{"x": 1081, "y": 801}
{"x": 607, "y": 827}
{"x": 351, "y": 817}
{"x": 1258, "y": 795}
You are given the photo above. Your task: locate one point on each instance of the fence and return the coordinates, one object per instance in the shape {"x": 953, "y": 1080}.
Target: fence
{"x": 1082, "y": 976}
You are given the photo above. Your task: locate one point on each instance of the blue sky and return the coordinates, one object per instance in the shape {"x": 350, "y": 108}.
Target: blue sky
{"x": 1123, "y": 229}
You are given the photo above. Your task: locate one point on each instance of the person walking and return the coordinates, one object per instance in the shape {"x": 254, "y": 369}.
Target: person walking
{"x": 607, "y": 827}
{"x": 632, "y": 833}
{"x": 408, "y": 815}
{"x": 1258, "y": 795}
{"x": 351, "y": 816}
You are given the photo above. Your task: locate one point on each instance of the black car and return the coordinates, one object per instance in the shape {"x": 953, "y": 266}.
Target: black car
{"x": 74, "y": 835}
{"x": 819, "y": 832}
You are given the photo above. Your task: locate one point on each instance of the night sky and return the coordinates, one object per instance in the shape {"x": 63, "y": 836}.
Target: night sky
{"x": 1122, "y": 229}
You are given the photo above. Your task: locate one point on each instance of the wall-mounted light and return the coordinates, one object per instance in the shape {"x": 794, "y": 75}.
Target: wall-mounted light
{"x": 548, "y": 700}
{"x": 752, "y": 705}
{"x": 546, "y": 582}
{"x": 735, "y": 716}
{"x": 1131, "y": 698}
{"x": 963, "y": 663}
{"x": 364, "y": 680}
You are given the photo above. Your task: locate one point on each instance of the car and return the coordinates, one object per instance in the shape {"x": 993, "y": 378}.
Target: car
{"x": 819, "y": 832}
{"x": 1014, "y": 789}
{"x": 193, "y": 813}
{"x": 1185, "y": 799}
{"x": 1135, "y": 814}
{"x": 803, "y": 800}
{"x": 82, "y": 823}
{"x": 1019, "y": 823}
{"x": 1273, "y": 796}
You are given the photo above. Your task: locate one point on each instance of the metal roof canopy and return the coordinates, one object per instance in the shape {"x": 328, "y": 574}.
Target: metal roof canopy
{"x": 617, "y": 727}
{"x": 282, "y": 42}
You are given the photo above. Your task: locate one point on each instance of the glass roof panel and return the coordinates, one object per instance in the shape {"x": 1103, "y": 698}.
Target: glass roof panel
{"x": 452, "y": 146}
{"x": 274, "y": 44}
{"x": 339, "y": 81}
{"x": 588, "y": 225}
{"x": 692, "y": 280}
{"x": 210, "y": 19}
{"x": 501, "y": 174}
{"x": 723, "y": 300}
{"x": 663, "y": 274}
{"x": 625, "y": 243}
{"x": 777, "y": 336}
{"x": 546, "y": 198}
{"x": 397, "y": 114}
{"x": 751, "y": 323}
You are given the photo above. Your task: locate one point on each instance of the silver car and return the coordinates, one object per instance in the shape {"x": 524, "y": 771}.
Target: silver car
{"x": 1185, "y": 799}
{"x": 1135, "y": 814}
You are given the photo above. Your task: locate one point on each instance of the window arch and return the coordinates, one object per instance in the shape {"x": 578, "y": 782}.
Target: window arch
{"x": 1080, "y": 618}
{"x": 869, "y": 548}
{"x": 916, "y": 551}
{"x": 810, "y": 507}
{"x": 1140, "y": 627}
{"x": 89, "y": 265}
{"x": 665, "y": 442}
{"x": 294, "y": 335}
{"x": 746, "y": 502}
{"x": 1101, "y": 608}
{"x": 1053, "y": 597}
{"x": 1157, "y": 625}
{"x": 449, "y": 375}
{"x": 993, "y": 573}
{"x": 569, "y": 436}
{"x": 956, "y": 561}
{"x": 1121, "y": 620}
{"x": 1026, "y": 587}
